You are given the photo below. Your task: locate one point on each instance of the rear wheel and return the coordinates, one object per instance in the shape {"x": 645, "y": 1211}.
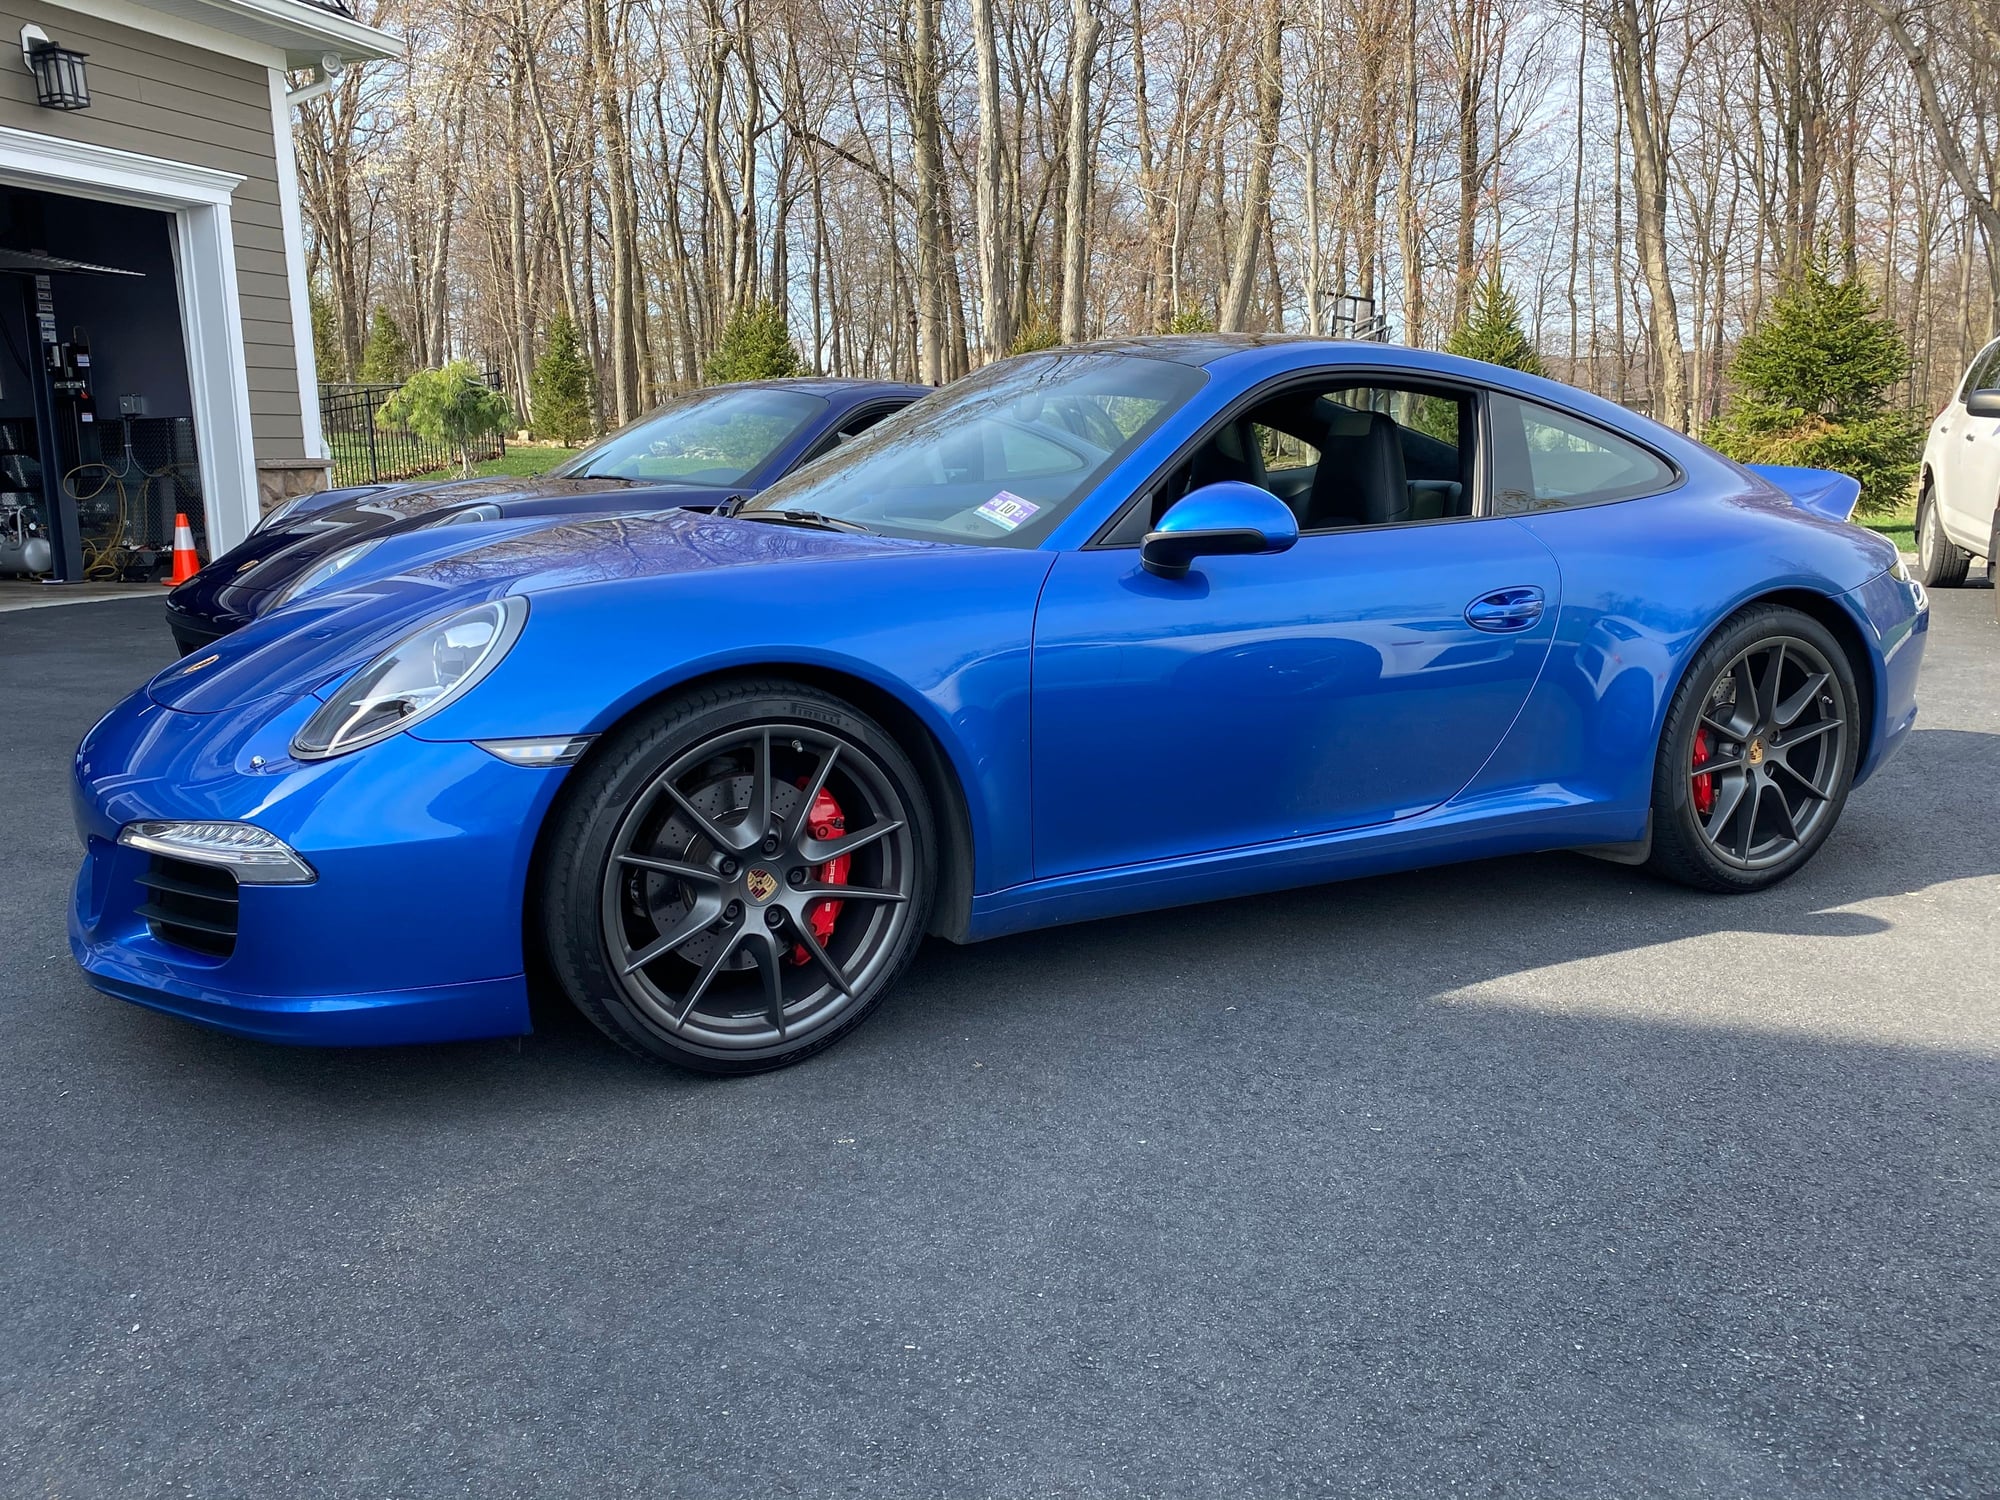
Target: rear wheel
{"x": 736, "y": 883}
{"x": 1941, "y": 561}
{"x": 1758, "y": 753}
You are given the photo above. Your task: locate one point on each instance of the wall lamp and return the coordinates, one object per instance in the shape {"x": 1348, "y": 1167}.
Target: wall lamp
{"x": 60, "y": 81}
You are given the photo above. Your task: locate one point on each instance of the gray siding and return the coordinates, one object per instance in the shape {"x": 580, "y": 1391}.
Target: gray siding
{"x": 164, "y": 98}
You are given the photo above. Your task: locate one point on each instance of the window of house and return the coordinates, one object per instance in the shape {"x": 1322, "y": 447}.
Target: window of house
{"x": 1545, "y": 459}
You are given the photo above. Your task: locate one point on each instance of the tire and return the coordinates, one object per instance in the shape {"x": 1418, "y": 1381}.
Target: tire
{"x": 1941, "y": 562}
{"x": 653, "y": 881}
{"x": 1780, "y": 756}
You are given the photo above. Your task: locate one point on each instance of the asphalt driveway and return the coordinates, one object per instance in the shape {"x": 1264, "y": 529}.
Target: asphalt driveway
{"x": 1533, "y": 1177}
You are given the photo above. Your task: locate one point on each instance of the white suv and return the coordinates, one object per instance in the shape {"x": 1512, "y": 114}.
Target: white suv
{"x": 1958, "y": 509}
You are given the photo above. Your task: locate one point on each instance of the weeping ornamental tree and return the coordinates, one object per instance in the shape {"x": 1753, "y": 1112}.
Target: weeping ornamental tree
{"x": 756, "y": 345}
{"x": 452, "y": 406}
{"x": 1811, "y": 389}
{"x": 559, "y": 389}
{"x": 1492, "y": 330}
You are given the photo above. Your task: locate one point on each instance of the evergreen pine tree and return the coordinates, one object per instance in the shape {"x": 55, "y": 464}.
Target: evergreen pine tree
{"x": 328, "y": 357}
{"x": 1492, "y": 330}
{"x": 559, "y": 389}
{"x": 385, "y": 360}
{"x": 1035, "y": 335}
{"x": 755, "y": 346}
{"x": 1189, "y": 320}
{"x": 1812, "y": 382}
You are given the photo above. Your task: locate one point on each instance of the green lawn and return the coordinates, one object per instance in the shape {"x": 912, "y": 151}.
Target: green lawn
{"x": 1897, "y": 525}
{"x": 515, "y": 463}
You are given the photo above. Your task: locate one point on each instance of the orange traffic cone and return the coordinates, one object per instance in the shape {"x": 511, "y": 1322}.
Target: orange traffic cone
{"x": 186, "y": 563}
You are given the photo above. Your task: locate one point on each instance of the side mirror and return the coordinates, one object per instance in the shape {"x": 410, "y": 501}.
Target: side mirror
{"x": 1983, "y": 403}
{"x": 1218, "y": 520}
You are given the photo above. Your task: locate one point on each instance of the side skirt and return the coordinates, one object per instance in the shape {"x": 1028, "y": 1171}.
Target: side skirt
{"x": 1451, "y": 835}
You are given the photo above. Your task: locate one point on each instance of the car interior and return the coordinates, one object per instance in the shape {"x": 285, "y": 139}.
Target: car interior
{"x": 1339, "y": 456}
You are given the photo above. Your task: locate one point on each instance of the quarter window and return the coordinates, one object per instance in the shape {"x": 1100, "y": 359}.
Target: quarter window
{"x": 1545, "y": 459}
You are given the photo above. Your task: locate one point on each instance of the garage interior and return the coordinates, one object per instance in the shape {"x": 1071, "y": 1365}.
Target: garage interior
{"x": 97, "y": 443}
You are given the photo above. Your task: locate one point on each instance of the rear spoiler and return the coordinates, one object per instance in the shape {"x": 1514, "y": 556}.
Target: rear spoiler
{"x": 1822, "y": 492}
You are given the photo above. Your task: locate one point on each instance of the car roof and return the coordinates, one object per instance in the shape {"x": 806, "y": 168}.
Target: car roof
{"x": 830, "y": 385}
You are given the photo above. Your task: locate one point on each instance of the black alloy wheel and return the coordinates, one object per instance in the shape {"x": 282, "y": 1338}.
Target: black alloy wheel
{"x": 738, "y": 883}
{"x": 1758, "y": 753}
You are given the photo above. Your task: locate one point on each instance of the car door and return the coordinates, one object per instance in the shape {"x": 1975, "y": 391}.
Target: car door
{"x": 1968, "y": 473}
{"x": 1363, "y": 676}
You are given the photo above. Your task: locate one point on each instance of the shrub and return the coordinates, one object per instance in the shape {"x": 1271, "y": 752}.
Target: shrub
{"x": 452, "y": 406}
{"x": 755, "y": 346}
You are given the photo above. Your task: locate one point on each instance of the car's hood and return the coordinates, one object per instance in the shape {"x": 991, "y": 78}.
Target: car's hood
{"x": 243, "y": 581}
{"x": 309, "y": 644}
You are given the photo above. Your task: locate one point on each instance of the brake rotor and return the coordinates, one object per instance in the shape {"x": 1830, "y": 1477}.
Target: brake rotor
{"x": 666, "y": 900}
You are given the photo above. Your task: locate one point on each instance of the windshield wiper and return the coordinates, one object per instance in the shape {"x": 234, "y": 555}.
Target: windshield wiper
{"x": 810, "y": 518}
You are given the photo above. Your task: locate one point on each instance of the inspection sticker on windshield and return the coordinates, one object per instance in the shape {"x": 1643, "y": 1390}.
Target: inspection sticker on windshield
{"x": 1007, "y": 510}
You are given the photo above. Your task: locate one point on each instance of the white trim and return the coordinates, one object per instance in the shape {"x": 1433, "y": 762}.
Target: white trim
{"x": 59, "y": 165}
{"x": 275, "y": 33}
{"x": 174, "y": 29}
{"x": 204, "y": 245}
{"x": 295, "y": 268}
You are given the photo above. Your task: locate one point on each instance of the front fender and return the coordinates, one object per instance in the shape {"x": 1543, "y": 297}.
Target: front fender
{"x": 947, "y": 633}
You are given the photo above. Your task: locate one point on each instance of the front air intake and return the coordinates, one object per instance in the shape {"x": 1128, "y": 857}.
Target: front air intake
{"x": 190, "y": 905}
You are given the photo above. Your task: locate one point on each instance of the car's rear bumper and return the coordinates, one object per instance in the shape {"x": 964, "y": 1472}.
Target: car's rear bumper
{"x": 411, "y": 931}
{"x": 1896, "y": 612}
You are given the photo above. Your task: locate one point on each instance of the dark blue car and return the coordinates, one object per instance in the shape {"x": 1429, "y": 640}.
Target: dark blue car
{"x": 701, "y": 451}
{"x": 1091, "y": 631}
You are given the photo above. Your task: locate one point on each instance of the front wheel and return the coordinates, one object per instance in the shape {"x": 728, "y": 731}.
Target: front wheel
{"x": 735, "y": 884}
{"x": 1941, "y": 561}
{"x": 1758, "y": 753}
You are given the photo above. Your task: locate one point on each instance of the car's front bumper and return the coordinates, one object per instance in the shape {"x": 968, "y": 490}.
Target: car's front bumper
{"x": 411, "y": 931}
{"x": 192, "y": 630}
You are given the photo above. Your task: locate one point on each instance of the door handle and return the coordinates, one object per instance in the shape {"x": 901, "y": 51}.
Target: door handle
{"x": 1505, "y": 610}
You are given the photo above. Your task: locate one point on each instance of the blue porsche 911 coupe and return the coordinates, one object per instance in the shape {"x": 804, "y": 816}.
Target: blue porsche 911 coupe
{"x": 705, "y": 450}
{"x": 1095, "y": 630}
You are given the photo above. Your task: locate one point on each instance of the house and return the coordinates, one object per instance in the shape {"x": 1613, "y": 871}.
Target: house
{"x": 155, "y": 327}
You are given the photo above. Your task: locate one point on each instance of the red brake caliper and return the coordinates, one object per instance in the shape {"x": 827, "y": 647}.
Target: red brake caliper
{"x": 826, "y": 821}
{"x": 1704, "y": 786}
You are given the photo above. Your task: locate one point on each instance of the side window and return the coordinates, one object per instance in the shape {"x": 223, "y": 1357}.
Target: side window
{"x": 1281, "y": 451}
{"x": 1393, "y": 453}
{"x": 860, "y": 422}
{"x": 1545, "y": 459}
{"x": 1340, "y": 454}
{"x": 1984, "y": 372}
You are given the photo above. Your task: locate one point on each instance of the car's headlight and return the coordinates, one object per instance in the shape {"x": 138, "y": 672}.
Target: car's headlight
{"x": 412, "y": 679}
{"x": 330, "y": 566}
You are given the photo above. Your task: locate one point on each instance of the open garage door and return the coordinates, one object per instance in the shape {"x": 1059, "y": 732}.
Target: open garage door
{"x": 98, "y": 450}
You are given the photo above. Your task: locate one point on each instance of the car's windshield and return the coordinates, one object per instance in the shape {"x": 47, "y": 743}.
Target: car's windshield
{"x": 717, "y": 437}
{"x": 998, "y": 458}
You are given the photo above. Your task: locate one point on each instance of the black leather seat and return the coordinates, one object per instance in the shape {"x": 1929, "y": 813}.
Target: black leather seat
{"x": 1231, "y": 454}
{"x": 1361, "y": 480}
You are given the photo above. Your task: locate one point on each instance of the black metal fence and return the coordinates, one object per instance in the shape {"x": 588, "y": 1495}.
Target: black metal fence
{"x": 364, "y": 452}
